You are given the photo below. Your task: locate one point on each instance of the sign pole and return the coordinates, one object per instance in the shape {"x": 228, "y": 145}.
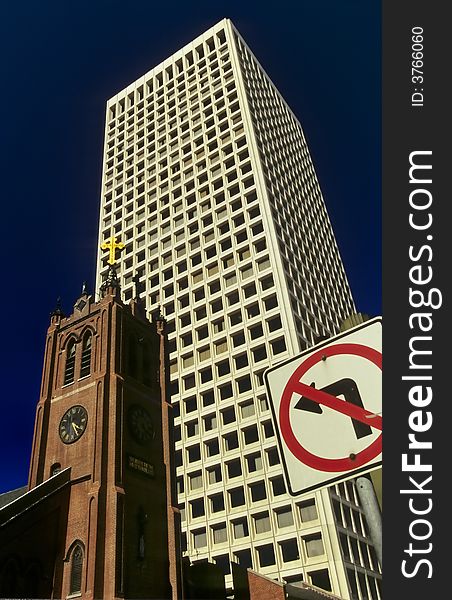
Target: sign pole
{"x": 371, "y": 509}
{"x": 366, "y": 490}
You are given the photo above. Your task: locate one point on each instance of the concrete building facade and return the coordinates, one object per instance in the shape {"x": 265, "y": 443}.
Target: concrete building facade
{"x": 208, "y": 181}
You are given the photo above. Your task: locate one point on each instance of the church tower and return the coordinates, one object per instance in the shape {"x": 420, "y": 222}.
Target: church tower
{"x": 104, "y": 414}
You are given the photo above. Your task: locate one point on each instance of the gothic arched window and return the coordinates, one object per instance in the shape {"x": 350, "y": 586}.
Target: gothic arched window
{"x": 55, "y": 469}
{"x": 9, "y": 578}
{"x": 85, "y": 367}
{"x": 70, "y": 363}
{"x": 75, "y": 585}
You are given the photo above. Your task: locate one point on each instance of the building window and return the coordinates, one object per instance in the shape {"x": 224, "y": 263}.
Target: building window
{"x": 206, "y": 375}
{"x": 240, "y": 528}
{"x": 70, "y": 363}
{"x": 189, "y": 382}
{"x": 256, "y": 331}
{"x": 216, "y": 503}
{"x": 190, "y": 404}
{"x": 238, "y": 339}
{"x": 258, "y": 491}
{"x": 308, "y": 511}
{"x": 314, "y": 545}
{"x": 294, "y": 578}
{"x": 266, "y": 555}
{"x": 321, "y": 579}
{"x": 199, "y": 538}
{"x": 214, "y": 287}
{"x": 220, "y": 534}
{"x": 208, "y": 398}
{"x": 55, "y": 469}
{"x": 247, "y": 409}
{"x": 231, "y": 441}
{"x": 284, "y": 517}
{"x": 228, "y": 415}
{"x": 268, "y": 429}
{"x": 218, "y": 326}
{"x": 85, "y": 367}
{"x": 278, "y": 486}
{"x": 195, "y": 480}
{"x": 223, "y": 368}
{"x": 241, "y": 361}
{"x": 75, "y": 585}
{"x": 289, "y": 550}
{"x": 244, "y": 558}
{"x": 259, "y": 353}
{"x": 221, "y": 347}
{"x": 254, "y": 462}
{"x": 278, "y": 346}
{"x": 226, "y": 391}
{"x": 244, "y": 384}
{"x": 187, "y": 360}
{"x": 212, "y": 447}
{"x": 274, "y": 324}
{"x": 237, "y": 497}
{"x": 234, "y": 468}
{"x": 251, "y": 436}
{"x": 214, "y": 474}
{"x": 210, "y": 422}
{"x": 192, "y": 428}
{"x": 194, "y": 453}
{"x": 262, "y": 522}
{"x": 197, "y": 508}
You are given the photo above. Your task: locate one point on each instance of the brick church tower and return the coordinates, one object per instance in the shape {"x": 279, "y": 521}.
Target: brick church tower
{"x": 104, "y": 414}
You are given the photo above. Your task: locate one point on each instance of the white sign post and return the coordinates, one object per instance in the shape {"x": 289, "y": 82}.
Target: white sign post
{"x": 327, "y": 408}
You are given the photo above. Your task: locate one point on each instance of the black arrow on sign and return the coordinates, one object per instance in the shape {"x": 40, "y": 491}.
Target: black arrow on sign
{"x": 343, "y": 387}
{"x": 309, "y": 405}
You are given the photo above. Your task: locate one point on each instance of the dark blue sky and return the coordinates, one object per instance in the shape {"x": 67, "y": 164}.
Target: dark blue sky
{"x": 61, "y": 61}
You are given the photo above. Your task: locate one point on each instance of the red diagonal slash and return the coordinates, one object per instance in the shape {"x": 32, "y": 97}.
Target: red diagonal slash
{"x": 346, "y": 408}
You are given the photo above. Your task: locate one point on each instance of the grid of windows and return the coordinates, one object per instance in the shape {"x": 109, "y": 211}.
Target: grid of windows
{"x": 318, "y": 300}
{"x": 208, "y": 182}
{"x": 362, "y": 566}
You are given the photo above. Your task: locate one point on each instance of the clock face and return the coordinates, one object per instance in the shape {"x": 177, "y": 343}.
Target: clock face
{"x": 141, "y": 425}
{"x": 73, "y": 424}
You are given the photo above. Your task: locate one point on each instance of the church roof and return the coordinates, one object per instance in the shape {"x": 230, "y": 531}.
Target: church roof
{"x": 21, "y": 502}
{"x": 8, "y": 497}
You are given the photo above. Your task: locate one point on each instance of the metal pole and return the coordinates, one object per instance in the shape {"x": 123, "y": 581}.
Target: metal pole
{"x": 366, "y": 491}
{"x": 371, "y": 509}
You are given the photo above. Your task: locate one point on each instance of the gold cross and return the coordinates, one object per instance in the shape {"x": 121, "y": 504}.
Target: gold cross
{"x": 112, "y": 245}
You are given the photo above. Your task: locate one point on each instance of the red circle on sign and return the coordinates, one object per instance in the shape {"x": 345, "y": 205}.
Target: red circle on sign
{"x": 312, "y": 460}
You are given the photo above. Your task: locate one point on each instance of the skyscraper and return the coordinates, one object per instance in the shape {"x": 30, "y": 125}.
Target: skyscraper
{"x": 208, "y": 181}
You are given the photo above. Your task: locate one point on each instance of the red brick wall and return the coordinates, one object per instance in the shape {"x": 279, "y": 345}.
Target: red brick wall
{"x": 263, "y": 588}
{"x": 107, "y": 496}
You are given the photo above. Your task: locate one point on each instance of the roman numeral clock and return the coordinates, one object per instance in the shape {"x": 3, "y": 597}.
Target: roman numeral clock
{"x": 73, "y": 424}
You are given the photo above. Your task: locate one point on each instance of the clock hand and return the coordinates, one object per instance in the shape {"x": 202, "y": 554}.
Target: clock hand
{"x": 75, "y": 427}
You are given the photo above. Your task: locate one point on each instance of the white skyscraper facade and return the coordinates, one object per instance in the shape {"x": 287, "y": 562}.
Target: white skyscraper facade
{"x": 208, "y": 181}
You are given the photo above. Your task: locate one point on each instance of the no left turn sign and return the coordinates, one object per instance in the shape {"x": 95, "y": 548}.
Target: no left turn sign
{"x": 326, "y": 406}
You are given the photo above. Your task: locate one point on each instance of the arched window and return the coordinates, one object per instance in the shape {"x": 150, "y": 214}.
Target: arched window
{"x": 54, "y": 469}
{"x": 85, "y": 367}
{"x": 70, "y": 363}
{"x": 9, "y": 576}
{"x": 75, "y": 585}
